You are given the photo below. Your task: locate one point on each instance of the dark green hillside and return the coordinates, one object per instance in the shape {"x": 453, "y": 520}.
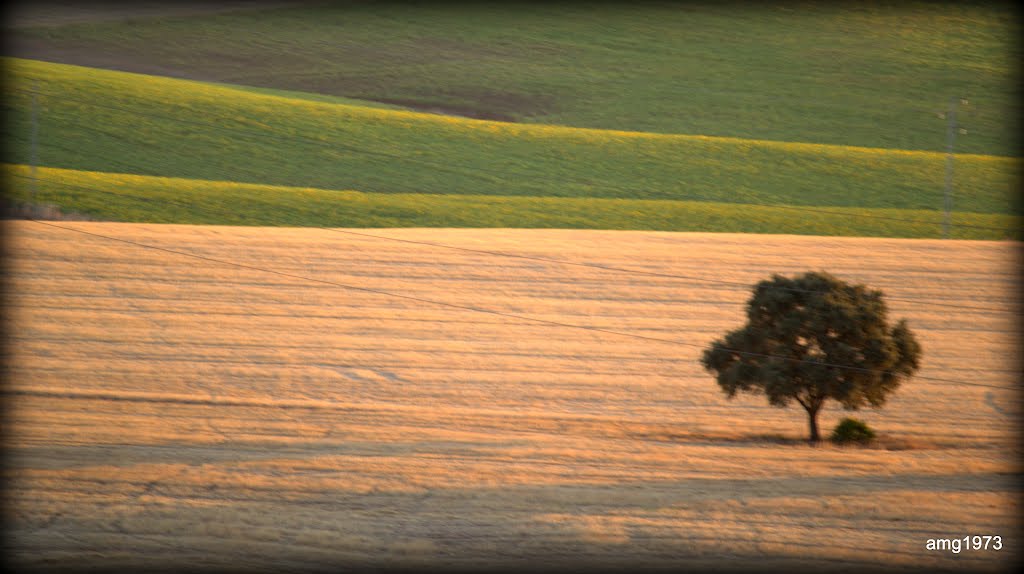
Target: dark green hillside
{"x": 96, "y": 120}
{"x": 252, "y": 158}
{"x": 844, "y": 73}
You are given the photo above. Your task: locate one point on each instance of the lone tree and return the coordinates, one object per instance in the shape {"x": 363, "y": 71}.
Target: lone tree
{"x": 814, "y": 338}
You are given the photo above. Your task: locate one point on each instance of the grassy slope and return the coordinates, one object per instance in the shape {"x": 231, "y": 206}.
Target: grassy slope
{"x": 123, "y": 197}
{"x": 310, "y": 96}
{"x": 838, "y": 73}
{"x": 109, "y": 121}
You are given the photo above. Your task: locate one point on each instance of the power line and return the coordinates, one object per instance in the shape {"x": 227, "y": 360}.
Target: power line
{"x": 492, "y": 312}
{"x": 521, "y": 256}
{"x": 495, "y": 176}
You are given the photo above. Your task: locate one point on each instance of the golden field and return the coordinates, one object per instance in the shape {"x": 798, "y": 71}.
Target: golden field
{"x": 166, "y": 410}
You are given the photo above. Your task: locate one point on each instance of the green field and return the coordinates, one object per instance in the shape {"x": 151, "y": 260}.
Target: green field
{"x": 774, "y": 119}
{"x": 106, "y": 121}
{"x": 147, "y": 199}
{"x": 871, "y": 75}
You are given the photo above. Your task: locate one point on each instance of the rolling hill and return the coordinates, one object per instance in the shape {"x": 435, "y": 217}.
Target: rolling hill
{"x": 127, "y": 197}
{"x": 868, "y": 75}
{"x": 103, "y": 121}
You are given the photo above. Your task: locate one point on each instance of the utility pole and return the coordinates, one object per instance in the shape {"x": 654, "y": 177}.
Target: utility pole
{"x": 34, "y": 143}
{"x": 950, "y": 139}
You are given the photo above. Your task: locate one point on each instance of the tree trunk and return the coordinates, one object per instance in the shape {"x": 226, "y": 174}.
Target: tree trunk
{"x": 812, "y": 415}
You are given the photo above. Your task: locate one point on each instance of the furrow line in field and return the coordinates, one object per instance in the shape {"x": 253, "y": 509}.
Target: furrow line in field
{"x": 29, "y": 297}
{"x": 654, "y": 432}
{"x": 690, "y": 252}
{"x": 205, "y": 304}
{"x": 124, "y": 269}
{"x": 225, "y": 362}
{"x": 478, "y": 272}
{"x": 543, "y": 352}
{"x": 308, "y": 404}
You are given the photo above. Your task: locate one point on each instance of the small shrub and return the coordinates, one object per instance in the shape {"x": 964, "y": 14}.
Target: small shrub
{"x": 852, "y": 430}
{"x": 13, "y": 209}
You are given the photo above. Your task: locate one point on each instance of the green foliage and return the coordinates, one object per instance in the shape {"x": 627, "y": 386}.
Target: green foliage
{"x": 834, "y": 72}
{"x": 851, "y": 430}
{"x": 815, "y": 338}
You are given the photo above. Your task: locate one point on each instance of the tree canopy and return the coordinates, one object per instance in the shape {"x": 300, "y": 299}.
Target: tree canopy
{"x": 812, "y": 338}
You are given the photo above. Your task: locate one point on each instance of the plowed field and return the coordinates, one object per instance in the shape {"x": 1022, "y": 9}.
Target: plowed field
{"x": 166, "y": 410}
